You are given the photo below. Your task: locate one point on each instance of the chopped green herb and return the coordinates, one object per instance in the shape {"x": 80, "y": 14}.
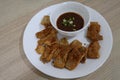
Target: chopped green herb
{"x": 64, "y": 20}
{"x": 68, "y": 22}
{"x": 65, "y": 24}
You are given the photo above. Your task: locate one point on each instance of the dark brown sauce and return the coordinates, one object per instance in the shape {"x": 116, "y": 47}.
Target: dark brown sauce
{"x": 70, "y": 22}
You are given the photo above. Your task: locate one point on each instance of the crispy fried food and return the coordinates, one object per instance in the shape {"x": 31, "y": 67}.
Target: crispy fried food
{"x": 46, "y": 21}
{"x": 76, "y": 44}
{"x": 55, "y": 49}
{"x": 58, "y": 47}
{"x": 74, "y": 58}
{"x": 40, "y": 49}
{"x": 53, "y": 30}
{"x": 49, "y": 39}
{"x": 43, "y": 33}
{"x": 61, "y": 52}
{"x": 47, "y": 36}
{"x": 83, "y": 50}
{"x": 64, "y": 41}
{"x": 93, "y": 32}
{"x": 46, "y": 32}
{"x": 93, "y": 50}
{"x": 61, "y": 58}
{"x": 46, "y": 56}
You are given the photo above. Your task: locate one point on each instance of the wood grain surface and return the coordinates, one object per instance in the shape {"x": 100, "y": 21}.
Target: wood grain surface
{"x": 14, "y": 16}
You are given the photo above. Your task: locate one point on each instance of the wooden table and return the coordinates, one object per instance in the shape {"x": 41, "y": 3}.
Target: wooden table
{"x": 14, "y": 16}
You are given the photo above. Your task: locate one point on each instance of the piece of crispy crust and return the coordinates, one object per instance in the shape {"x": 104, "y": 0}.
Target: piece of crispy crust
{"x": 64, "y": 41}
{"x": 49, "y": 40}
{"x": 84, "y": 51}
{"x": 60, "y": 59}
{"x": 93, "y": 32}
{"x": 46, "y": 56}
{"x": 46, "y": 21}
{"x": 43, "y": 33}
{"x": 40, "y": 49}
{"x": 93, "y": 50}
{"x": 76, "y": 44}
{"x": 55, "y": 49}
{"x": 74, "y": 58}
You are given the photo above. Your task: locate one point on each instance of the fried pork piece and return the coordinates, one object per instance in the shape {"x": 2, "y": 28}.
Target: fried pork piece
{"x": 93, "y": 50}
{"x": 40, "y": 49}
{"x": 55, "y": 49}
{"x": 61, "y": 58}
{"x": 93, "y": 32}
{"x": 49, "y": 39}
{"x": 45, "y": 32}
{"x": 76, "y": 44}
{"x": 46, "y": 56}
{"x": 83, "y": 50}
{"x": 46, "y": 21}
{"x": 74, "y": 58}
{"x": 64, "y": 41}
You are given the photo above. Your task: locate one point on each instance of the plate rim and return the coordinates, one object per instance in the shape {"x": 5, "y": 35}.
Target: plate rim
{"x": 66, "y": 77}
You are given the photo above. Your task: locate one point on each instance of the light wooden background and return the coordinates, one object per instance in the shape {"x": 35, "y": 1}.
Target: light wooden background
{"x": 14, "y": 16}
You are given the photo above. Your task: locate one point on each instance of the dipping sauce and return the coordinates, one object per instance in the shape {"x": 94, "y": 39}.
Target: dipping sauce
{"x": 70, "y": 22}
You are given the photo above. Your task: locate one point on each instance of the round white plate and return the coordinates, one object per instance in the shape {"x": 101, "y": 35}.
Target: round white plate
{"x": 91, "y": 65}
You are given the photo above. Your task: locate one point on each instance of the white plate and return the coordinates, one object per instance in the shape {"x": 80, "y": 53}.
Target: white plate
{"x": 91, "y": 65}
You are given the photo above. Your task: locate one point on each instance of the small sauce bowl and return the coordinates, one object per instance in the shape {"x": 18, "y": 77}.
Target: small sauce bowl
{"x": 67, "y": 7}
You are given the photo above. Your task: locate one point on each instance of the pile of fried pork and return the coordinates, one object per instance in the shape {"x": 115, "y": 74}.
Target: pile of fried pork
{"x": 62, "y": 53}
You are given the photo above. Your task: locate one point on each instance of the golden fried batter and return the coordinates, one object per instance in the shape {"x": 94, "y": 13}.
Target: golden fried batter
{"x": 46, "y": 32}
{"x": 76, "y": 44}
{"x": 74, "y": 58}
{"x": 83, "y": 50}
{"x": 46, "y": 21}
{"x": 93, "y": 50}
{"x": 49, "y": 39}
{"x": 47, "y": 55}
{"x": 93, "y": 32}
{"x": 55, "y": 49}
{"x": 43, "y": 33}
{"x": 61, "y": 58}
{"x": 64, "y": 41}
{"x": 40, "y": 49}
